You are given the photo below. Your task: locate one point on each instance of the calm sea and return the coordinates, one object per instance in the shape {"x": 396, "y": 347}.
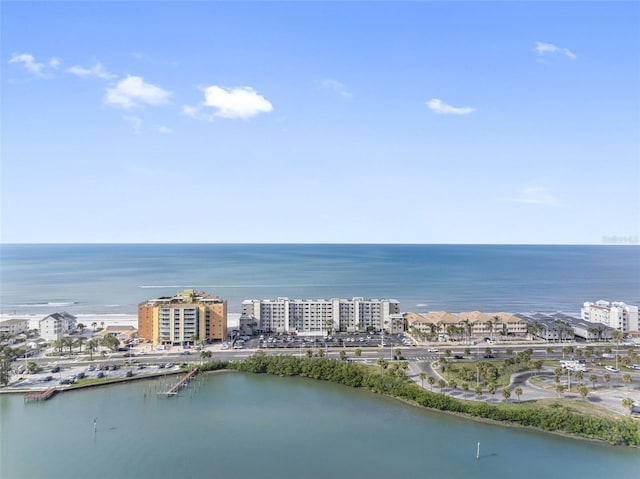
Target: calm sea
{"x": 108, "y": 279}
{"x": 235, "y": 425}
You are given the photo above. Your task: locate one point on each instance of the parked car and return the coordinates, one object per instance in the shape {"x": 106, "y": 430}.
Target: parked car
{"x": 612, "y": 369}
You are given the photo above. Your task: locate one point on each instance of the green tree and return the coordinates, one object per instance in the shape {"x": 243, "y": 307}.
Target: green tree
{"x": 583, "y": 390}
{"x": 518, "y": 392}
{"x": 487, "y": 350}
{"x": 579, "y": 376}
{"x": 431, "y": 380}
{"x": 383, "y": 363}
{"x": 441, "y": 384}
{"x": 321, "y": 353}
{"x": 93, "y": 325}
{"x": 78, "y": 343}
{"x": 447, "y": 352}
{"x": 509, "y": 351}
{"x": 111, "y": 342}
{"x": 92, "y": 346}
{"x": 358, "y": 352}
{"x": 5, "y": 368}
{"x": 628, "y": 403}
{"x": 68, "y": 343}
{"x": 626, "y": 378}
{"x": 606, "y": 377}
{"x": 397, "y": 352}
{"x": 538, "y": 364}
{"x": 478, "y": 391}
{"x": 309, "y": 353}
{"x": 464, "y": 386}
{"x": 80, "y": 327}
{"x": 422, "y": 377}
{"x": 549, "y": 350}
{"x": 32, "y": 367}
{"x": 506, "y": 393}
{"x": 205, "y": 355}
{"x": 560, "y": 388}
{"x": 594, "y": 379}
{"x": 492, "y": 389}
{"x": 453, "y": 384}
{"x": 343, "y": 355}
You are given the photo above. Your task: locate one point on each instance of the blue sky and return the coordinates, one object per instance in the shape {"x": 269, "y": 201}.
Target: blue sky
{"x": 417, "y": 122}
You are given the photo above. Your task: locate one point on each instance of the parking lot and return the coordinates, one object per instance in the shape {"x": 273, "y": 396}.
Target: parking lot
{"x": 337, "y": 340}
{"x": 59, "y": 375}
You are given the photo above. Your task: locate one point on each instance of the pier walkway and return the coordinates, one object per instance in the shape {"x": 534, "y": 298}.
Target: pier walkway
{"x": 182, "y": 383}
{"x": 40, "y": 395}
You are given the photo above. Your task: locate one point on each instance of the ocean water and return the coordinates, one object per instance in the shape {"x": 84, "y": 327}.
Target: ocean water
{"x": 235, "y": 425}
{"x": 113, "y": 279}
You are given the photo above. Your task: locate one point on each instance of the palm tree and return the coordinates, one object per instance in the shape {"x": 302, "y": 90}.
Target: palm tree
{"x": 453, "y": 384}
{"x": 594, "y": 379}
{"x": 93, "y": 325}
{"x": 606, "y": 377}
{"x": 549, "y": 350}
{"x": 578, "y": 375}
{"x": 617, "y": 336}
{"x": 628, "y": 403}
{"x": 92, "y": 345}
{"x": 79, "y": 342}
{"x": 343, "y": 355}
{"x": 626, "y": 378}
{"x": 478, "y": 391}
{"x": 382, "y": 362}
{"x": 321, "y": 353}
{"x": 205, "y": 355}
{"x": 396, "y": 353}
{"x": 80, "y": 327}
{"x": 358, "y": 353}
{"x": 309, "y": 353}
{"x": 441, "y": 384}
{"x": 560, "y": 388}
{"x": 422, "y": 377}
{"x": 518, "y": 392}
{"x": 506, "y": 394}
{"x": 583, "y": 390}
{"x": 492, "y": 389}
{"x": 68, "y": 342}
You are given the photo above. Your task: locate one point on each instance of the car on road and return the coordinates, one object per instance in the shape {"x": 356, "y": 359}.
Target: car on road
{"x": 612, "y": 369}
{"x": 488, "y": 356}
{"x": 432, "y": 350}
{"x": 457, "y": 356}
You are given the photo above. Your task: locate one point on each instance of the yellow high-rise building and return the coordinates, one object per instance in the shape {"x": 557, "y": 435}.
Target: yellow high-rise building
{"x": 184, "y": 319}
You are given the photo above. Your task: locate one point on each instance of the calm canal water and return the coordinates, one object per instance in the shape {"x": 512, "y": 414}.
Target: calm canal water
{"x": 236, "y": 425}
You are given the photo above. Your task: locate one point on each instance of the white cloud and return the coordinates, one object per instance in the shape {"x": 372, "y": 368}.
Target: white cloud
{"x": 134, "y": 121}
{"x": 29, "y": 62}
{"x": 133, "y": 91}
{"x": 439, "y": 106}
{"x": 336, "y": 86}
{"x": 164, "y": 130}
{"x": 191, "y": 111}
{"x": 535, "y": 195}
{"x": 96, "y": 70}
{"x": 241, "y": 102}
{"x": 54, "y": 63}
{"x": 542, "y": 48}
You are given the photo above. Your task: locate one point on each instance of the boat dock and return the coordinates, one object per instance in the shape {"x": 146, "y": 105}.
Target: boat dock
{"x": 179, "y": 385}
{"x": 40, "y": 395}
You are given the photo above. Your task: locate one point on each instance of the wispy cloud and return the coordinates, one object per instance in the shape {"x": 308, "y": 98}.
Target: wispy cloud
{"x": 164, "y": 130}
{"x": 336, "y": 86}
{"x": 542, "y": 48}
{"x": 233, "y": 103}
{"x": 29, "y": 62}
{"x": 135, "y": 122}
{"x": 96, "y": 70}
{"x": 133, "y": 92}
{"x": 441, "y": 107}
{"x": 535, "y": 195}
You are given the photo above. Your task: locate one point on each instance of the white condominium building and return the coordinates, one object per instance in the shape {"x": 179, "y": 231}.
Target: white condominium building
{"x": 56, "y": 325}
{"x": 321, "y": 315}
{"x": 616, "y": 315}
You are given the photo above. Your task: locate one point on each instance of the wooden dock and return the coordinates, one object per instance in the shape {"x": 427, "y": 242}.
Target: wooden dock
{"x": 179, "y": 385}
{"x": 40, "y": 395}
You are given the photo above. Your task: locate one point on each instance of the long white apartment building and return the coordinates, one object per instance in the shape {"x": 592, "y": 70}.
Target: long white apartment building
{"x": 321, "y": 315}
{"x": 614, "y": 314}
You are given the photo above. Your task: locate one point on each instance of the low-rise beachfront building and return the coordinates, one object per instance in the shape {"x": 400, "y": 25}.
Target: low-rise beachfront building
{"x": 316, "y": 316}
{"x": 11, "y": 327}
{"x": 184, "y": 319}
{"x": 463, "y": 326}
{"x": 616, "y": 314}
{"x": 57, "y": 325}
{"x": 563, "y": 327}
